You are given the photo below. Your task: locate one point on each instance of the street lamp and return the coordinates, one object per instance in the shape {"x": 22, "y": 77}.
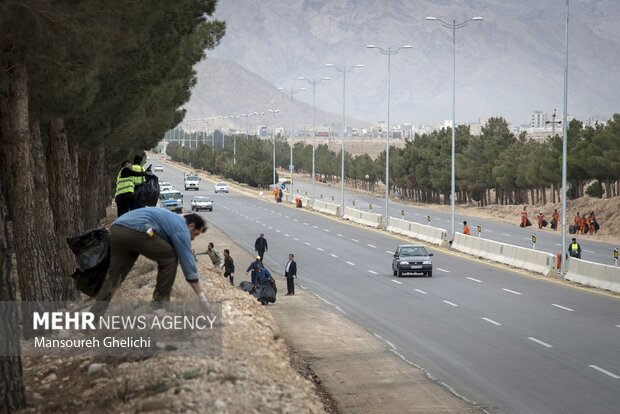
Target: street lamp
{"x": 389, "y": 52}
{"x": 564, "y": 146}
{"x": 273, "y": 133}
{"x": 313, "y": 82}
{"x": 454, "y": 25}
{"x": 235, "y": 117}
{"x": 292, "y": 92}
{"x": 343, "y": 70}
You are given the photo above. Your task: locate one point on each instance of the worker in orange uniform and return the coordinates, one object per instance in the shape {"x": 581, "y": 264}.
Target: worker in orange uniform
{"x": 582, "y": 224}
{"x": 541, "y": 218}
{"x": 577, "y": 221}
{"x": 275, "y": 192}
{"x": 524, "y": 216}
{"x": 466, "y": 229}
{"x": 555, "y": 220}
{"x": 592, "y": 223}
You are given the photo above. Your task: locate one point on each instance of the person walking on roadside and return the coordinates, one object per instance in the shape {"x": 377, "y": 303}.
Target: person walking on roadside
{"x": 229, "y": 267}
{"x": 290, "y": 271}
{"x": 524, "y": 217}
{"x": 574, "y": 250}
{"x": 159, "y": 235}
{"x": 555, "y": 219}
{"x": 466, "y": 230}
{"x": 540, "y": 218}
{"x": 260, "y": 246}
{"x": 252, "y": 267}
{"x": 125, "y": 187}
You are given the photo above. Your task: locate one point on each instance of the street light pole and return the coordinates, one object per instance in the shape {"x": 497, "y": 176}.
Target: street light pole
{"x": 454, "y": 25}
{"x": 313, "y": 82}
{"x": 564, "y": 146}
{"x": 389, "y": 52}
{"x": 273, "y": 133}
{"x": 292, "y": 92}
{"x": 343, "y": 70}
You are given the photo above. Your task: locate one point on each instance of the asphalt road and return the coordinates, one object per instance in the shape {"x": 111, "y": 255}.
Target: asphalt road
{"x": 547, "y": 241}
{"x": 508, "y": 342}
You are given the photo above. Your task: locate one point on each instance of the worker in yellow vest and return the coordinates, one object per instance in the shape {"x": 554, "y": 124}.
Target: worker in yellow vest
{"x": 136, "y": 166}
{"x": 125, "y": 187}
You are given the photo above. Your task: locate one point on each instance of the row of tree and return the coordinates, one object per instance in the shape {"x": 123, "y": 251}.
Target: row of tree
{"x": 494, "y": 167}
{"x": 83, "y": 85}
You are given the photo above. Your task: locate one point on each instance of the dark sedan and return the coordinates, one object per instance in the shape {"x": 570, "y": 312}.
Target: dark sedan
{"x": 412, "y": 258}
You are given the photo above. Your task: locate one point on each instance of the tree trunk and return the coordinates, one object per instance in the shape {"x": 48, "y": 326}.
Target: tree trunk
{"x": 36, "y": 282}
{"x": 11, "y": 383}
{"x": 63, "y": 178}
{"x": 94, "y": 186}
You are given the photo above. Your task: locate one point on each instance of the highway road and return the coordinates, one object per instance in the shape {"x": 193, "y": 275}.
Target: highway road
{"x": 508, "y": 342}
{"x": 547, "y": 241}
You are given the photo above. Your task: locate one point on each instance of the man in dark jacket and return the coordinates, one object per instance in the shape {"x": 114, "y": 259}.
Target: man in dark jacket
{"x": 290, "y": 271}
{"x": 125, "y": 187}
{"x": 260, "y": 245}
{"x": 229, "y": 267}
{"x": 252, "y": 267}
{"x": 262, "y": 279}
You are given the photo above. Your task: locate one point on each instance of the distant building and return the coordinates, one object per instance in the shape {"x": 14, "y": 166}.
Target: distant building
{"x": 323, "y": 131}
{"x": 261, "y": 131}
{"x": 538, "y": 119}
{"x": 592, "y": 120}
{"x": 279, "y": 131}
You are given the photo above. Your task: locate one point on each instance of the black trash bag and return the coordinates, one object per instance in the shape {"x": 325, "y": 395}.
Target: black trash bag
{"x": 596, "y": 226}
{"x": 571, "y": 229}
{"x": 528, "y": 223}
{"x": 247, "y": 286}
{"x": 92, "y": 253}
{"x": 270, "y": 291}
{"x": 545, "y": 223}
{"x": 147, "y": 194}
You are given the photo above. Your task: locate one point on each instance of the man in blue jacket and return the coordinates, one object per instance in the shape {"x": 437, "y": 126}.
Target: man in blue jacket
{"x": 160, "y": 235}
{"x": 262, "y": 279}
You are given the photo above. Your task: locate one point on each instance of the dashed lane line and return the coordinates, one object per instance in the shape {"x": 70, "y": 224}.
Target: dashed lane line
{"x": 325, "y": 230}
{"x": 370, "y": 245}
{"x": 492, "y": 321}
{"x": 333, "y": 255}
{"x": 421, "y": 291}
{"x": 286, "y": 235}
{"x": 538, "y": 341}
{"x": 506, "y": 234}
{"x": 604, "y": 371}
{"x": 443, "y": 270}
{"x": 397, "y": 281}
{"x": 316, "y": 227}
{"x": 339, "y": 235}
{"x": 450, "y": 303}
{"x": 562, "y": 307}
{"x": 307, "y": 244}
{"x": 373, "y": 272}
{"x": 355, "y": 240}
{"x": 320, "y": 249}
{"x": 350, "y": 263}
{"x": 474, "y": 279}
{"x": 387, "y": 251}
{"x": 514, "y": 292}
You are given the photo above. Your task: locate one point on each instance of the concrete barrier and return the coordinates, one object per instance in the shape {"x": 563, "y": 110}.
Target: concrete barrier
{"x": 593, "y": 274}
{"x": 430, "y": 234}
{"x": 327, "y": 208}
{"x": 363, "y": 217}
{"x": 519, "y": 257}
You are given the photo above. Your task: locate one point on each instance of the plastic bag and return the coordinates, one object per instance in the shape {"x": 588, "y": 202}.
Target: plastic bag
{"x": 270, "y": 291}
{"x": 148, "y": 193}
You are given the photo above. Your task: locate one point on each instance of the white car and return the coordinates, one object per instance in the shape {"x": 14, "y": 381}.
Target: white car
{"x": 221, "y": 187}
{"x": 159, "y": 168}
{"x": 165, "y": 186}
{"x": 202, "y": 203}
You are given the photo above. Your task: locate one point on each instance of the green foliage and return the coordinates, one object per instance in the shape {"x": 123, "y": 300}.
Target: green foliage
{"x": 595, "y": 190}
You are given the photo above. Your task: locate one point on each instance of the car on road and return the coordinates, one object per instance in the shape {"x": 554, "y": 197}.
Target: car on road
{"x": 158, "y": 168}
{"x": 165, "y": 186}
{"x": 412, "y": 258}
{"x": 202, "y": 203}
{"x": 171, "y": 200}
{"x": 191, "y": 182}
{"x": 221, "y": 187}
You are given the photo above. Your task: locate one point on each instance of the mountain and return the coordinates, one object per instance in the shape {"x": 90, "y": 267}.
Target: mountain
{"x": 225, "y": 89}
{"x": 510, "y": 64}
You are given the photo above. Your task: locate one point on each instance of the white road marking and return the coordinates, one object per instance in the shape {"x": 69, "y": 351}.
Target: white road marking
{"x": 474, "y": 279}
{"x": 352, "y": 264}
{"x": 319, "y": 249}
{"x": 270, "y": 228}
{"x": 370, "y": 245}
{"x": 604, "y": 371}
{"x": 355, "y": 240}
{"x": 286, "y": 217}
{"x": 589, "y": 251}
{"x": 526, "y": 238}
{"x": 387, "y": 251}
{"x": 506, "y": 234}
{"x": 286, "y": 235}
{"x": 279, "y": 214}
{"x": 258, "y": 221}
{"x": 421, "y": 291}
{"x": 492, "y": 321}
{"x": 272, "y": 211}
{"x": 514, "y": 292}
{"x": 489, "y": 231}
{"x": 264, "y": 225}
{"x": 450, "y": 303}
{"x": 617, "y": 326}
{"x": 278, "y": 231}
{"x": 538, "y": 341}
{"x": 305, "y": 224}
{"x": 373, "y": 272}
{"x": 558, "y": 244}
{"x": 339, "y": 235}
{"x": 295, "y": 220}
{"x": 562, "y": 307}
{"x": 325, "y": 230}
{"x": 295, "y": 238}
{"x": 302, "y": 286}
{"x": 443, "y": 270}
{"x": 316, "y": 227}
{"x": 333, "y": 255}
{"x": 396, "y": 281}
{"x": 307, "y": 244}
